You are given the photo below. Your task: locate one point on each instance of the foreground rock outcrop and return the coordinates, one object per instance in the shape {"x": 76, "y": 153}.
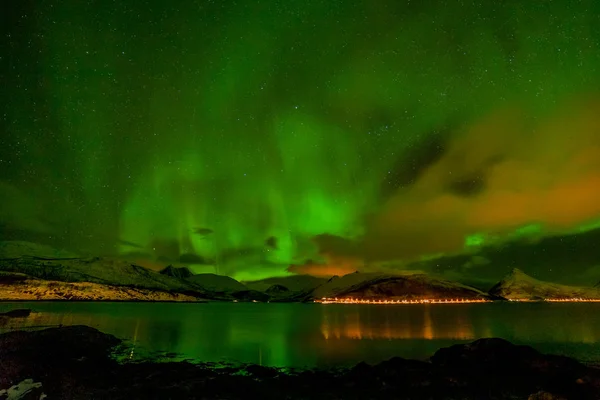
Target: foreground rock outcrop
{"x": 519, "y": 286}
{"x": 74, "y": 363}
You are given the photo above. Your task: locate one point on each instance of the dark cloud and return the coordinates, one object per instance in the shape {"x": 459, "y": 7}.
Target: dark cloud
{"x": 469, "y": 186}
{"x": 189, "y": 258}
{"x": 271, "y": 242}
{"x": 559, "y": 190}
{"x": 414, "y": 162}
{"x": 203, "y": 231}
{"x": 547, "y": 259}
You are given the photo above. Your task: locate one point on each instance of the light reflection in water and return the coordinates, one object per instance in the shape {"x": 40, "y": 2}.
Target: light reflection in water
{"x": 319, "y": 335}
{"x": 350, "y": 322}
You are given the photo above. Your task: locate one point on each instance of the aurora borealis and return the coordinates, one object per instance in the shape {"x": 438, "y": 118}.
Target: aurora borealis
{"x": 306, "y": 136}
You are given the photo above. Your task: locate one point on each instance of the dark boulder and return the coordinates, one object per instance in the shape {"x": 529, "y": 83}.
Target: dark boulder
{"x": 493, "y": 354}
{"x": 260, "y": 372}
{"x": 500, "y": 365}
{"x": 66, "y": 351}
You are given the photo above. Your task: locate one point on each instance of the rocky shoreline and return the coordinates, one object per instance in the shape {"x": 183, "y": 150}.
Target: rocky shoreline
{"x": 75, "y": 363}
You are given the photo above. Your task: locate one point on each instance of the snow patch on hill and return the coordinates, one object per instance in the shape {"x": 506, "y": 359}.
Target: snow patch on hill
{"x": 519, "y": 286}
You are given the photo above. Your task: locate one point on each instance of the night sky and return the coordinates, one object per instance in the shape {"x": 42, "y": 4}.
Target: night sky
{"x": 311, "y": 136}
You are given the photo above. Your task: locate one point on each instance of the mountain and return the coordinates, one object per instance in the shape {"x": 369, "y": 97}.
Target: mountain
{"x": 277, "y": 290}
{"x": 40, "y": 265}
{"x": 519, "y": 286}
{"x": 102, "y": 270}
{"x": 294, "y": 283}
{"x": 216, "y": 283}
{"x": 176, "y": 272}
{"x": 293, "y": 288}
{"x": 404, "y": 285}
{"x": 18, "y": 287}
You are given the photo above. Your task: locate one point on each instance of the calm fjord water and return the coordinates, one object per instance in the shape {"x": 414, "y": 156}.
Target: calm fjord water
{"x": 314, "y": 335}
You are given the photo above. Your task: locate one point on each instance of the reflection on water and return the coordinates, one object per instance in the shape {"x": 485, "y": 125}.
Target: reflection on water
{"x": 395, "y": 323}
{"x": 320, "y": 335}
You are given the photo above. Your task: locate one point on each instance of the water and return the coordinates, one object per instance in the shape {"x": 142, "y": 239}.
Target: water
{"x": 314, "y": 335}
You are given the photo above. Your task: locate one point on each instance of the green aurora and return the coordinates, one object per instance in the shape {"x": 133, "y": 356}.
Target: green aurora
{"x": 259, "y": 135}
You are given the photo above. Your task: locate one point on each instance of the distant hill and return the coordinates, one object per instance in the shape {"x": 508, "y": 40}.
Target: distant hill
{"x": 39, "y": 262}
{"x": 519, "y": 286}
{"x": 176, "y": 272}
{"x": 406, "y": 285}
{"x": 31, "y": 267}
{"x": 216, "y": 283}
{"x": 293, "y": 283}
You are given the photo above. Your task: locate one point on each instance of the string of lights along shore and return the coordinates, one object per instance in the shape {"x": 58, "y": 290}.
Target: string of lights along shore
{"x": 445, "y": 301}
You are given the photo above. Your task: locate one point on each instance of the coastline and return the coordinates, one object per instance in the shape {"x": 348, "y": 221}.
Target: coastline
{"x": 76, "y": 362}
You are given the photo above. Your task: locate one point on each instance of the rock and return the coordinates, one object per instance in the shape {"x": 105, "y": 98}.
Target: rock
{"x": 261, "y": 372}
{"x": 67, "y": 350}
{"x": 401, "y": 366}
{"x": 497, "y": 363}
{"x": 75, "y": 362}
{"x": 24, "y": 390}
{"x": 494, "y": 353}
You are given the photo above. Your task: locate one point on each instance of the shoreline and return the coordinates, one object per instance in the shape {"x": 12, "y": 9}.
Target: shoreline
{"x": 109, "y": 279}
{"x": 365, "y": 303}
{"x": 77, "y": 362}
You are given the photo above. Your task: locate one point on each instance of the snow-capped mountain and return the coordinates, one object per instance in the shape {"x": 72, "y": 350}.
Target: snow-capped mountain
{"x": 519, "y": 286}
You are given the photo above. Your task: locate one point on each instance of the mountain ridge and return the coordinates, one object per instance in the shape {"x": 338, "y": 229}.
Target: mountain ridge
{"x": 517, "y": 285}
